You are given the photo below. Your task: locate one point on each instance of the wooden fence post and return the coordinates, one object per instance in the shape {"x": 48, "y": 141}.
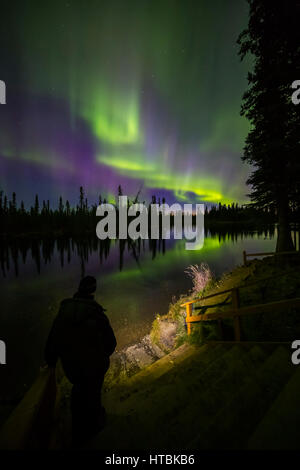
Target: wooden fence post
{"x": 237, "y": 320}
{"x": 188, "y": 315}
{"x": 221, "y": 329}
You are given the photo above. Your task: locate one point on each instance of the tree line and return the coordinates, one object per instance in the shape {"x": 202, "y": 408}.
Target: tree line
{"x": 42, "y": 218}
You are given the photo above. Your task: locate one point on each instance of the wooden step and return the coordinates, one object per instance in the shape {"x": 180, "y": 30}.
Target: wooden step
{"x": 234, "y": 423}
{"x": 169, "y": 364}
{"x": 280, "y": 427}
{"x": 164, "y": 376}
{"x": 29, "y": 425}
{"x": 144, "y": 418}
{"x": 203, "y": 406}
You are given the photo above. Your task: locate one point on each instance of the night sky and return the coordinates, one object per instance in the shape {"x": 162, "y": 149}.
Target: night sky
{"x": 138, "y": 93}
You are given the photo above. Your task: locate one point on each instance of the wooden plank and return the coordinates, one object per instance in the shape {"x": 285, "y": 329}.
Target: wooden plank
{"x": 235, "y": 298}
{"x": 261, "y": 254}
{"x": 197, "y": 318}
{"x": 295, "y": 252}
{"x": 276, "y": 253}
{"x": 264, "y": 279}
{"x": 188, "y": 303}
{"x": 207, "y": 297}
{"x": 252, "y": 309}
{"x": 30, "y": 422}
{"x": 269, "y": 307}
{"x": 188, "y": 316}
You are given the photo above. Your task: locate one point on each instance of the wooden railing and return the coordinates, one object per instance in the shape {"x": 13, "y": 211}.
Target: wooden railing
{"x": 235, "y": 303}
{"x": 269, "y": 253}
{"x": 235, "y": 311}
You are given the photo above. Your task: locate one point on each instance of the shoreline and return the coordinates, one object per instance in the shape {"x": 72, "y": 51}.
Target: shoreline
{"x": 58, "y": 233}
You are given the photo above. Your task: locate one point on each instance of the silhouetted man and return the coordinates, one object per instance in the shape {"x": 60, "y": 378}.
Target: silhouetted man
{"x": 83, "y": 339}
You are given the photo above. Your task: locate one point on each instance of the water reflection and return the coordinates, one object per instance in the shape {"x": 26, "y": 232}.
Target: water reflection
{"x": 15, "y": 252}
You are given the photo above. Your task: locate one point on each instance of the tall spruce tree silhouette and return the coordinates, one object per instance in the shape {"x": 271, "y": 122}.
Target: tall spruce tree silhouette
{"x": 272, "y": 146}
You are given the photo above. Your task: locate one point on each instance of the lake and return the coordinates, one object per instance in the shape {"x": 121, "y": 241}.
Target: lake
{"x": 135, "y": 282}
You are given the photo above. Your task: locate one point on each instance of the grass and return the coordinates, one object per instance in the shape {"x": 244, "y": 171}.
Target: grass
{"x": 155, "y": 330}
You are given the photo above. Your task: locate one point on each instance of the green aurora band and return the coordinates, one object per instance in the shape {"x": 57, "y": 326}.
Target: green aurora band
{"x": 141, "y": 96}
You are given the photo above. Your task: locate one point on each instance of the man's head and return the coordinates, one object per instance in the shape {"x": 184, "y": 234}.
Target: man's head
{"x": 87, "y": 285}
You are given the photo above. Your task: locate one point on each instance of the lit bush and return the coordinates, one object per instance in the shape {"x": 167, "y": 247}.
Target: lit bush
{"x": 201, "y": 277}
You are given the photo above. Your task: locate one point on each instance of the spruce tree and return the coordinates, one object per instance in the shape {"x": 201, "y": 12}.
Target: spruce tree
{"x": 272, "y": 145}
{"x": 36, "y": 205}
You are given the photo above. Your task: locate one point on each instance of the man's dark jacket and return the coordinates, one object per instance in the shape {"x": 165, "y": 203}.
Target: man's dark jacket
{"x": 81, "y": 336}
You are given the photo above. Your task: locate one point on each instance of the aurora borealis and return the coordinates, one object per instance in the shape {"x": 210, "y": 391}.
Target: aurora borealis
{"x": 138, "y": 93}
